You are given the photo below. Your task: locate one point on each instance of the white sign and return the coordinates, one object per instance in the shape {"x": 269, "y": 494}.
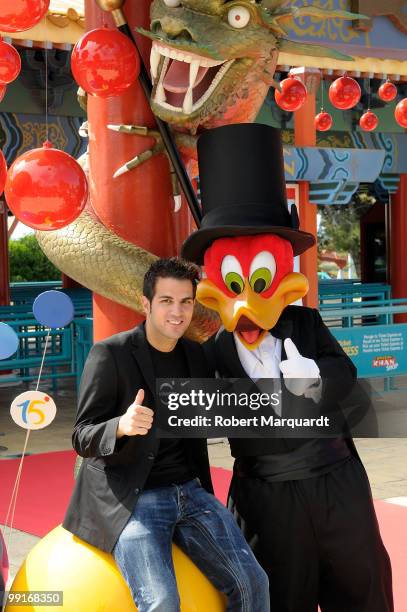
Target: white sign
{"x": 33, "y": 410}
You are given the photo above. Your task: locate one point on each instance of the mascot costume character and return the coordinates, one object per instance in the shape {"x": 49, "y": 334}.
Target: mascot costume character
{"x": 305, "y": 505}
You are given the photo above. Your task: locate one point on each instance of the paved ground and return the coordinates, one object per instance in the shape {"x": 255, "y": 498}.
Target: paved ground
{"x": 385, "y": 458}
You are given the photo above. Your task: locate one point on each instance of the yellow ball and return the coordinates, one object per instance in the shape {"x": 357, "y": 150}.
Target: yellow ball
{"x": 91, "y": 582}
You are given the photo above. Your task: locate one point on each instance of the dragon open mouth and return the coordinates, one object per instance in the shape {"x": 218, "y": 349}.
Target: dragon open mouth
{"x": 183, "y": 81}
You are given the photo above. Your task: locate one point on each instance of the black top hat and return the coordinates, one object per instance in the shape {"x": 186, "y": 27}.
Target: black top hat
{"x": 241, "y": 172}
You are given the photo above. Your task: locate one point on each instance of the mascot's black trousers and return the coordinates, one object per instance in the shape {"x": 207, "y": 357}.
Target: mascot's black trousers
{"x": 316, "y": 547}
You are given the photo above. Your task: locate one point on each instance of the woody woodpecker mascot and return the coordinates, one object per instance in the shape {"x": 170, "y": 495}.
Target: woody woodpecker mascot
{"x": 304, "y": 505}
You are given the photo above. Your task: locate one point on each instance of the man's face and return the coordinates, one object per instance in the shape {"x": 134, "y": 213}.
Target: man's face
{"x": 170, "y": 311}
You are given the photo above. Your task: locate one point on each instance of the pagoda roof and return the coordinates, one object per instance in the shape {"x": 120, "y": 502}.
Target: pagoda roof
{"x": 63, "y": 25}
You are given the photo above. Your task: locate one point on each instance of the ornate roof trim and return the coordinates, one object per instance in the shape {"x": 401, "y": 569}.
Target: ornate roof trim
{"x": 63, "y": 25}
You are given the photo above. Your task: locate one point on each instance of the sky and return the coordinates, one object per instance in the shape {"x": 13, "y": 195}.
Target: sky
{"x": 20, "y": 231}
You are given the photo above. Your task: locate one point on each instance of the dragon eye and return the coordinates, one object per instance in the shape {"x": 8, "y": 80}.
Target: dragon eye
{"x": 232, "y": 274}
{"x": 262, "y": 271}
{"x": 238, "y": 17}
{"x": 172, "y": 3}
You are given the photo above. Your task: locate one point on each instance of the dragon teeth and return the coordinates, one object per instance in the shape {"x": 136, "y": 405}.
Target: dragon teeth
{"x": 195, "y": 63}
{"x": 188, "y": 102}
{"x": 193, "y": 72}
{"x": 160, "y": 93}
{"x": 206, "y": 95}
{"x": 184, "y": 56}
{"x": 213, "y": 85}
{"x": 154, "y": 61}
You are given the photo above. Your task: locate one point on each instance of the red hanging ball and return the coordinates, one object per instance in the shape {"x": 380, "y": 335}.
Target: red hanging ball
{"x": 368, "y": 121}
{"x": 293, "y": 94}
{"x": 46, "y": 188}
{"x": 401, "y": 113}
{"x": 344, "y": 93}
{"x": 10, "y": 62}
{"x": 323, "y": 121}
{"x": 387, "y": 91}
{"x": 105, "y": 62}
{"x": 3, "y": 172}
{"x": 20, "y": 15}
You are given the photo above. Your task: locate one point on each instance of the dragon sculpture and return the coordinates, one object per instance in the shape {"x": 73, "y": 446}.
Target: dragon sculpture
{"x": 212, "y": 63}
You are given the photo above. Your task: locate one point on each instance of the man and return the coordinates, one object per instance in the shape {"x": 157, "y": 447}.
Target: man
{"x": 304, "y": 504}
{"x": 135, "y": 493}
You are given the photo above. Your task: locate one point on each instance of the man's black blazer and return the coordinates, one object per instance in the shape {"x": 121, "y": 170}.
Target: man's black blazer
{"x": 114, "y": 471}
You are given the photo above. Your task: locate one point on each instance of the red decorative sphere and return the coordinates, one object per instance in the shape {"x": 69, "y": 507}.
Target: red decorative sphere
{"x": 20, "y": 15}
{"x": 323, "y": 121}
{"x": 368, "y": 121}
{"x": 401, "y": 113}
{"x": 344, "y": 93}
{"x": 292, "y": 95}
{"x": 10, "y": 62}
{"x": 46, "y": 188}
{"x": 3, "y": 89}
{"x": 387, "y": 91}
{"x": 3, "y": 172}
{"x": 105, "y": 62}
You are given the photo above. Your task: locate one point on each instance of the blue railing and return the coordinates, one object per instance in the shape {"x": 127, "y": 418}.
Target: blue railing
{"x": 362, "y": 320}
{"x": 62, "y": 350}
{"x": 360, "y": 316}
{"x": 25, "y": 363}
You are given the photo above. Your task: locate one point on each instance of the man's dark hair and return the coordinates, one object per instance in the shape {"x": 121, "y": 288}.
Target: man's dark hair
{"x": 173, "y": 267}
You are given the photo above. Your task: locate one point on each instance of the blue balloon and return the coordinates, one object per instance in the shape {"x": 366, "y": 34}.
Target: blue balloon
{"x": 53, "y": 309}
{"x": 8, "y": 341}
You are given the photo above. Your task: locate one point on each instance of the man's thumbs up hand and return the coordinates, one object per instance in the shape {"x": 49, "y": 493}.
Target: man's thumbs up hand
{"x": 139, "y": 398}
{"x": 305, "y": 371}
{"x": 137, "y": 420}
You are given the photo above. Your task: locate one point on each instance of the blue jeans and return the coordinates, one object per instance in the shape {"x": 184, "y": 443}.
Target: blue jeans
{"x": 206, "y": 531}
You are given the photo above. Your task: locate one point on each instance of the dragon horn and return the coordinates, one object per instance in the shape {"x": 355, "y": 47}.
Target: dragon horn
{"x": 312, "y": 11}
{"x": 291, "y": 46}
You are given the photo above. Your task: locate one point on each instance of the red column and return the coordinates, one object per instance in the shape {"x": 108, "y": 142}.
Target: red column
{"x": 305, "y": 136}
{"x": 4, "y": 260}
{"x": 309, "y": 259}
{"x": 137, "y": 206}
{"x": 398, "y": 244}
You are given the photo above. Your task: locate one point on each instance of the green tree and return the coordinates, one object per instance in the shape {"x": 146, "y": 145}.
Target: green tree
{"x": 28, "y": 262}
{"x": 339, "y": 229}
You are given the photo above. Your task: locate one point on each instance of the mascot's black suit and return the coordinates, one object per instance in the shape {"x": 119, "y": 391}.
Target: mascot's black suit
{"x": 305, "y": 505}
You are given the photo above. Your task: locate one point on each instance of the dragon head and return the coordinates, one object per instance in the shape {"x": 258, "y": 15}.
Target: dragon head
{"x": 212, "y": 61}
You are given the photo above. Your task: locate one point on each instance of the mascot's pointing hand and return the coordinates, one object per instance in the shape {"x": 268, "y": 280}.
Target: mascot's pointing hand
{"x": 301, "y": 375}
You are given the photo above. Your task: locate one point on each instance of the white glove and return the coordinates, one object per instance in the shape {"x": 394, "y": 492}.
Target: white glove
{"x": 301, "y": 375}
